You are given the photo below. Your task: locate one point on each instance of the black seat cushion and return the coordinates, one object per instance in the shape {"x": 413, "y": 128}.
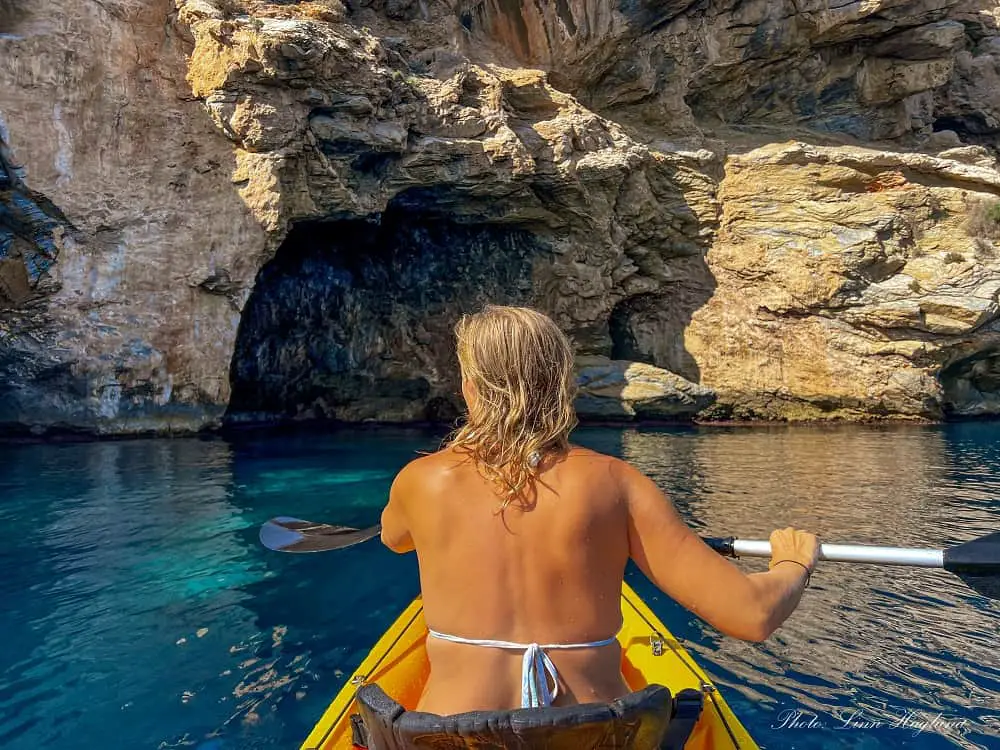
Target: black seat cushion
{"x": 638, "y": 721}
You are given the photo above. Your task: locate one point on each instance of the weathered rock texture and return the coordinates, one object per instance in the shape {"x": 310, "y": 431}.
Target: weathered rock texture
{"x": 851, "y": 283}
{"x": 791, "y": 204}
{"x": 126, "y": 250}
{"x": 617, "y": 389}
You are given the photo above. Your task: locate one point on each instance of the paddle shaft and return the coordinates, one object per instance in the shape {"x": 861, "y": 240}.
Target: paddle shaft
{"x": 295, "y": 535}
{"x": 976, "y": 562}
{"x": 852, "y": 553}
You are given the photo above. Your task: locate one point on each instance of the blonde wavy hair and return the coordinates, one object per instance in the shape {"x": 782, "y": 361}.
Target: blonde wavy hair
{"x": 521, "y": 367}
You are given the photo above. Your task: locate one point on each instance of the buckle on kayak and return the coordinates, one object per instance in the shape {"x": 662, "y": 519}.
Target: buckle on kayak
{"x": 656, "y": 643}
{"x": 358, "y": 680}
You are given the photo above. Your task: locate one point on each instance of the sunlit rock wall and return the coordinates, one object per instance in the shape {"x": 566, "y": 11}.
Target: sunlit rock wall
{"x": 126, "y": 252}
{"x": 790, "y": 205}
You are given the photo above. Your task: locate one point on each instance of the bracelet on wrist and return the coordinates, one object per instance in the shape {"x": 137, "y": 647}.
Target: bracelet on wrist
{"x": 806, "y": 569}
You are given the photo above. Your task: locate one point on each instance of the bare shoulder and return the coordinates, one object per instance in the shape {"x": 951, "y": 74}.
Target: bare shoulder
{"x": 431, "y": 468}
{"x": 599, "y": 466}
{"x": 586, "y": 457}
{"x": 628, "y": 478}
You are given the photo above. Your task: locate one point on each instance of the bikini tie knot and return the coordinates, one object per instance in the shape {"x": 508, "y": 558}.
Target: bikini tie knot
{"x": 536, "y": 669}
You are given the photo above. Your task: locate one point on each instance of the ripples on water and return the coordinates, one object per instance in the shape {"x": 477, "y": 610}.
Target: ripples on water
{"x": 139, "y": 610}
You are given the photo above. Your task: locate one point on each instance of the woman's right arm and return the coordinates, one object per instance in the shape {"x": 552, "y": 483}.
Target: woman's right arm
{"x": 745, "y": 606}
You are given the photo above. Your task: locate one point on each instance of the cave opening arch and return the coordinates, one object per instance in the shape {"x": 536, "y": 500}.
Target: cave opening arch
{"x": 352, "y": 320}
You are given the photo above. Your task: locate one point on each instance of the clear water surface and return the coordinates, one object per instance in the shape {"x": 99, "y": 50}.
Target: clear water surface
{"x": 138, "y": 610}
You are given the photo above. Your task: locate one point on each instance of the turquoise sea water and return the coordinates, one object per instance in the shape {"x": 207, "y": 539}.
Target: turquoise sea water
{"x": 138, "y": 610}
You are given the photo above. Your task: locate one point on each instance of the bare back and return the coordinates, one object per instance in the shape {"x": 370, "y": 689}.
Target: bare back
{"x": 548, "y": 573}
{"x": 552, "y": 573}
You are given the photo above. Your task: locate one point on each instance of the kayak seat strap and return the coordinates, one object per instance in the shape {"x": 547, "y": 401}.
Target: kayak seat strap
{"x": 638, "y": 721}
{"x": 378, "y": 714}
{"x": 359, "y": 732}
{"x": 688, "y": 704}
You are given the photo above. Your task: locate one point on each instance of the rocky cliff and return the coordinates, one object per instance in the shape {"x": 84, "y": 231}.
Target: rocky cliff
{"x": 280, "y": 209}
{"x": 127, "y": 252}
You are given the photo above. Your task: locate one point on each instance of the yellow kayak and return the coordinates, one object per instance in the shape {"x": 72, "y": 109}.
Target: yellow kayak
{"x": 650, "y": 655}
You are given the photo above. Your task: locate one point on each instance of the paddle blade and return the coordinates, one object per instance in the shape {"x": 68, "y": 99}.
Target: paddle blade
{"x": 977, "y": 563}
{"x": 980, "y": 557}
{"x": 285, "y": 534}
{"x": 988, "y": 586}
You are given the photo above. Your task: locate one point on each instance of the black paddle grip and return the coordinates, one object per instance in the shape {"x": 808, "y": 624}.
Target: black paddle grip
{"x": 722, "y": 545}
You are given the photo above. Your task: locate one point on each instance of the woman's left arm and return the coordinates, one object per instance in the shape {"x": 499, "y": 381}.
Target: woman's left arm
{"x": 395, "y": 527}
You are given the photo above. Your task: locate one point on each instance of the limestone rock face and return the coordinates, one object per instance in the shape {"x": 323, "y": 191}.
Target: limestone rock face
{"x": 851, "y": 283}
{"x": 867, "y": 69}
{"x": 280, "y": 209}
{"x": 476, "y": 183}
{"x": 125, "y": 250}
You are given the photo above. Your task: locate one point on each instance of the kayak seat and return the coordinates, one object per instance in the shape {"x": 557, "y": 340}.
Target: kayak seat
{"x": 649, "y": 719}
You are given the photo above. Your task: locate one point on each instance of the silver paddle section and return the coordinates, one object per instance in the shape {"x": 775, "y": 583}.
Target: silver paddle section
{"x": 855, "y": 553}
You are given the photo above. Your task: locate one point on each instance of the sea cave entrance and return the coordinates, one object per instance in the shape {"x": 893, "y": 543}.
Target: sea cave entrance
{"x": 352, "y": 320}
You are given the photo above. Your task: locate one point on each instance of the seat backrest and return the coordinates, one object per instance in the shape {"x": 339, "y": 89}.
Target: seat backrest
{"x": 637, "y": 721}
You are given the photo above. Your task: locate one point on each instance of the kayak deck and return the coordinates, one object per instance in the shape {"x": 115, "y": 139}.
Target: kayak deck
{"x": 650, "y": 654}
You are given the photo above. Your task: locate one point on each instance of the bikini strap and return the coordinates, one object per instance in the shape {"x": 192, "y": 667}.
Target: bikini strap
{"x": 511, "y": 645}
{"x": 536, "y": 666}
